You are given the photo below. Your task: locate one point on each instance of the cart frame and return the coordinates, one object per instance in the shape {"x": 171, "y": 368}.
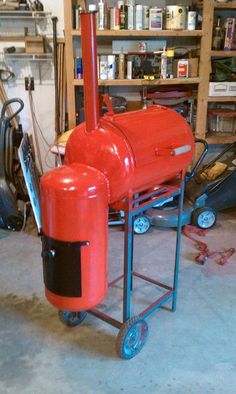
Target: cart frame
{"x": 135, "y": 206}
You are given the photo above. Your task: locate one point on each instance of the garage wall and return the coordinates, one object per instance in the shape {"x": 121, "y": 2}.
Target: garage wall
{"x": 43, "y": 95}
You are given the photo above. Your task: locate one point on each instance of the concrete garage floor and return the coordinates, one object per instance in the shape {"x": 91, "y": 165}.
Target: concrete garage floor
{"x": 190, "y": 351}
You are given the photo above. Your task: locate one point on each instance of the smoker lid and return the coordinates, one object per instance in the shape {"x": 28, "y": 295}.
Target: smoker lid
{"x": 152, "y": 130}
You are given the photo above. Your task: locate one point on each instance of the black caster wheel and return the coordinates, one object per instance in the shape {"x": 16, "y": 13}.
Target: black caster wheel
{"x": 204, "y": 217}
{"x": 15, "y": 223}
{"x": 142, "y": 224}
{"x": 71, "y": 319}
{"x": 131, "y": 338}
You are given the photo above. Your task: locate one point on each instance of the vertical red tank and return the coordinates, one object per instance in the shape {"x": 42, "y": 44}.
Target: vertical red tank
{"x": 74, "y": 203}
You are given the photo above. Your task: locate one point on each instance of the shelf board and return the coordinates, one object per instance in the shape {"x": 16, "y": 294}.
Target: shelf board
{"x": 223, "y": 53}
{"x": 221, "y": 99}
{"x": 21, "y": 38}
{"x": 141, "y": 82}
{"x": 29, "y": 57}
{"x": 143, "y": 33}
{"x": 220, "y": 138}
{"x": 24, "y": 14}
{"x": 225, "y": 6}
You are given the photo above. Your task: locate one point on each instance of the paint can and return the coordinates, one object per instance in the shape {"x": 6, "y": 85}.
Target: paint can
{"x": 155, "y": 18}
{"x": 176, "y": 17}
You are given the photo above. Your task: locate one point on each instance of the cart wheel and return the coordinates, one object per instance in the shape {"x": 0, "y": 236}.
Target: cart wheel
{"x": 141, "y": 224}
{"x": 71, "y": 319}
{"x": 204, "y": 217}
{"x": 131, "y": 338}
{"x": 15, "y": 223}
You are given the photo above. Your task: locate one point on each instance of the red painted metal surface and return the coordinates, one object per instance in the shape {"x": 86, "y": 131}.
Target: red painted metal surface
{"x": 135, "y": 150}
{"x": 74, "y": 203}
{"x": 88, "y": 41}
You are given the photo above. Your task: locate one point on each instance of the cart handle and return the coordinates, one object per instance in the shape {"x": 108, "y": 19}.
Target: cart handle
{"x": 200, "y": 160}
{"x": 9, "y": 102}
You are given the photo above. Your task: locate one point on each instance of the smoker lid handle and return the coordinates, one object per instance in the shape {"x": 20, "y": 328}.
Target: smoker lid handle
{"x": 173, "y": 150}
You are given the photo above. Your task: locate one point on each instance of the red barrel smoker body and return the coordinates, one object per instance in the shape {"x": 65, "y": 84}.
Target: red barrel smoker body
{"x": 106, "y": 159}
{"x": 134, "y": 150}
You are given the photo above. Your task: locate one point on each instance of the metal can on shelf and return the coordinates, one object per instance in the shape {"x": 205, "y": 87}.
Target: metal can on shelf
{"x": 114, "y": 18}
{"x": 176, "y": 17}
{"x": 155, "y": 18}
{"x": 191, "y": 20}
{"x": 145, "y": 17}
{"x": 139, "y": 17}
{"x": 129, "y": 17}
{"x": 183, "y": 68}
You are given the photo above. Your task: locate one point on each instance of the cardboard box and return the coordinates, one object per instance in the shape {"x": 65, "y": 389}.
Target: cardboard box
{"x": 230, "y": 34}
{"x": 222, "y": 89}
{"x": 34, "y": 44}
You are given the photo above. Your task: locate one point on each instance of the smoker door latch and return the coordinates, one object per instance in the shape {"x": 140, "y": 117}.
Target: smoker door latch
{"x": 173, "y": 150}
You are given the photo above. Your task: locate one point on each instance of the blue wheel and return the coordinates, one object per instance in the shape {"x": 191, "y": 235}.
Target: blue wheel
{"x": 204, "y": 217}
{"x": 71, "y": 319}
{"x": 141, "y": 224}
{"x": 131, "y": 338}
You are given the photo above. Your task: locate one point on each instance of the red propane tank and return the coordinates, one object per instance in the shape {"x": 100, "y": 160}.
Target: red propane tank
{"x": 74, "y": 203}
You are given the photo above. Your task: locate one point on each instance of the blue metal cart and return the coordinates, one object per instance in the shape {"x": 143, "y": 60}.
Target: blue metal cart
{"x": 133, "y": 330}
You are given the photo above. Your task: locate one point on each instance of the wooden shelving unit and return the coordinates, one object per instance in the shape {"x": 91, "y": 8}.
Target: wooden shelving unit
{"x": 72, "y": 83}
{"x": 206, "y": 53}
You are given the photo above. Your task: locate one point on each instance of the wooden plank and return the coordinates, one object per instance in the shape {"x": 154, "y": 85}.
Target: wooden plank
{"x": 225, "y": 6}
{"x": 223, "y": 99}
{"x": 142, "y": 82}
{"x": 144, "y": 33}
{"x": 69, "y": 64}
{"x": 11, "y": 38}
{"x": 204, "y": 68}
{"x": 223, "y": 53}
{"x": 221, "y": 138}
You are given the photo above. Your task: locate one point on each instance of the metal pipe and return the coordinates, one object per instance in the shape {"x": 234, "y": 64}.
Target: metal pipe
{"x": 55, "y": 61}
{"x": 89, "y": 56}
